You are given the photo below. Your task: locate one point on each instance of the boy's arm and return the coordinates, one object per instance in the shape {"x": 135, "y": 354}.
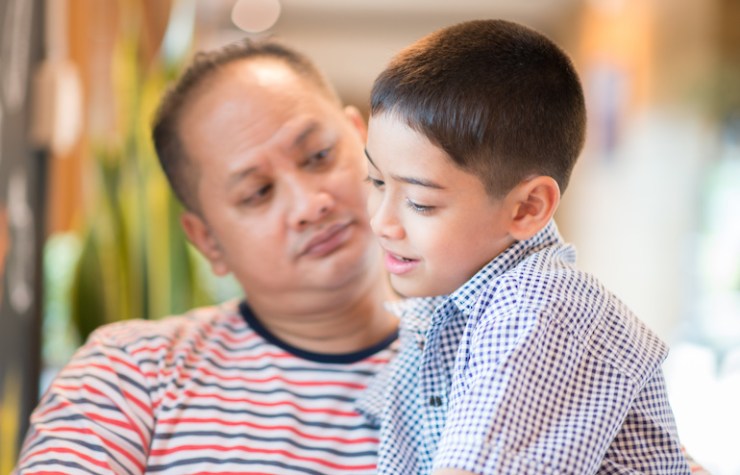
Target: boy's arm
{"x": 696, "y": 468}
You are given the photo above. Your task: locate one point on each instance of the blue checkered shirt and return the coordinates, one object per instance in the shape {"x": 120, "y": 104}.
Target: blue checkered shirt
{"x": 531, "y": 367}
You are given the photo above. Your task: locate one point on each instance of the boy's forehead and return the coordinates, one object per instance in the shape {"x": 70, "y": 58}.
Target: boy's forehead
{"x": 403, "y": 152}
{"x": 406, "y": 156}
{"x": 391, "y": 132}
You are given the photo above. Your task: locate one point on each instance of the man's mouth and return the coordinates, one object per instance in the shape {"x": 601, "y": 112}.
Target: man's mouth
{"x": 327, "y": 241}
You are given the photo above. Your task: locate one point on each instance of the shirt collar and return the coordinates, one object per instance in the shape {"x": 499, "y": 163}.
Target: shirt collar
{"x": 415, "y": 313}
{"x": 467, "y": 294}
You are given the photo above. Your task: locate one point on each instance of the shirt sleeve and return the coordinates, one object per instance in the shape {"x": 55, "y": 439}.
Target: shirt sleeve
{"x": 648, "y": 441}
{"x": 96, "y": 417}
{"x": 530, "y": 397}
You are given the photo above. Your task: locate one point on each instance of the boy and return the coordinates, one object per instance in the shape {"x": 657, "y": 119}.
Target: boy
{"x": 527, "y": 364}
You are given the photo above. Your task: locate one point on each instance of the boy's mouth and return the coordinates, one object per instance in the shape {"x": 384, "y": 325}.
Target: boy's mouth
{"x": 398, "y": 265}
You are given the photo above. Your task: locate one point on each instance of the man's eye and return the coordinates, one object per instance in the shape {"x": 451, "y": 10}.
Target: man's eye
{"x": 258, "y": 196}
{"x": 419, "y": 208}
{"x": 375, "y": 182}
{"x": 319, "y": 157}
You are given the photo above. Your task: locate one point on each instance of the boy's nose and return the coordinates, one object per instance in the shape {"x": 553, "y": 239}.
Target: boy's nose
{"x": 385, "y": 223}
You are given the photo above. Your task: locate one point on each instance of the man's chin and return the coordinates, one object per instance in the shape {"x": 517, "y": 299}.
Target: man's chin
{"x": 348, "y": 266}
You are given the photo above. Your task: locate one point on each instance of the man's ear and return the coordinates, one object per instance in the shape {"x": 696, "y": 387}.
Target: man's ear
{"x": 355, "y": 117}
{"x": 533, "y": 204}
{"x": 199, "y": 234}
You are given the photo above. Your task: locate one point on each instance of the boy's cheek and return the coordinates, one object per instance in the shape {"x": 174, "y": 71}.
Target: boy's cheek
{"x": 373, "y": 201}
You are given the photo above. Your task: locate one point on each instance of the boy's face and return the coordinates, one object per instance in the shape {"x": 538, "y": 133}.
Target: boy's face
{"x": 436, "y": 223}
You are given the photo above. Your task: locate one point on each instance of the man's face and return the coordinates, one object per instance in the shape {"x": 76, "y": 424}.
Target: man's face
{"x": 280, "y": 169}
{"x": 436, "y": 223}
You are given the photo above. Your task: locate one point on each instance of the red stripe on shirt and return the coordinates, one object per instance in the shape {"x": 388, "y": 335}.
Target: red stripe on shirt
{"x": 198, "y": 420}
{"x": 283, "y": 453}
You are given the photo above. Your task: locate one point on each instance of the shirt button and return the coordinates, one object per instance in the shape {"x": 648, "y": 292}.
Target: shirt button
{"x": 435, "y": 401}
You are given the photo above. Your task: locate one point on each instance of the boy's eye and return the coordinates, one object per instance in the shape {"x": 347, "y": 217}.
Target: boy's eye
{"x": 419, "y": 208}
{"x": 375, "y": 182}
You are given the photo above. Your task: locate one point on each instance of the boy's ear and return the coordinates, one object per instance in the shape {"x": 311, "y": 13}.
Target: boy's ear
{"x": 534, "y": 202}
{"x": 199, "y": 234}
{"x": 355, "y": 117}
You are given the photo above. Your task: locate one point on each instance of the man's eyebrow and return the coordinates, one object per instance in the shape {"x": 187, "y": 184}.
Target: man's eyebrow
{"x": 239, "y": 176}
{"x": 410, "y": 180}
{"x": 309, "y": 129}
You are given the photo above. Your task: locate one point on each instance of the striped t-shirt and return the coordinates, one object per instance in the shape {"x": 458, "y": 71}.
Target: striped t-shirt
{"x": 208, "y": 392}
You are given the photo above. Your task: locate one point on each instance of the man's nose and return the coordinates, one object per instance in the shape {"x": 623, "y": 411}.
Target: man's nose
{"x": 310, "y": 202}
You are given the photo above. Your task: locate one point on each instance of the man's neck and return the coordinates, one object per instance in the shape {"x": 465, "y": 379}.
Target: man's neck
{"x": 335, "y": 321}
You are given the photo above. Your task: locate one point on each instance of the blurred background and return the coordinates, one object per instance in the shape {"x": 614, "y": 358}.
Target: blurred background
{"x": 89, "y": 231}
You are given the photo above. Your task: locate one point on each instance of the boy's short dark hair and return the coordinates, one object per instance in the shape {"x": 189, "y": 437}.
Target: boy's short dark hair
{"x": 165, "y": 129}
{"x": 502, "y": 100}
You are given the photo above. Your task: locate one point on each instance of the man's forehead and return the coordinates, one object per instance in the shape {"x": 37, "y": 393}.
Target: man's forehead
{"x": 246, "y": 113}
{"x": 291, "y": 138}
{"x": 293, "y": 133}
{"x": 266, "y": 73}
{"x": 245, "y": 95}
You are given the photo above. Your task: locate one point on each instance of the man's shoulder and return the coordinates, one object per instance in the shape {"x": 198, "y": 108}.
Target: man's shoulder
{"x": 201, "y": 320}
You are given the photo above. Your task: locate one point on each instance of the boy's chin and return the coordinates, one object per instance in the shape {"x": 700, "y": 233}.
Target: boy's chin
{"x": 406, "y": 289}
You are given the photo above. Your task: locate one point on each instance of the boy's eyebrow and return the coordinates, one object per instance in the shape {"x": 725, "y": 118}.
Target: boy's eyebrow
{"x": 409, "y": 180}
{"x": 370, "y": 159}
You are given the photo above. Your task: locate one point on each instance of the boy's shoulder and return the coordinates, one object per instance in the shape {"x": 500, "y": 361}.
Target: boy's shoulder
{"x": 546, "y": 273}
{"x": 550, "y": 274}
{"x": 549, "y": 291}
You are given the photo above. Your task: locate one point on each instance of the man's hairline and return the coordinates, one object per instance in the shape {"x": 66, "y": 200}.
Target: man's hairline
{"x": 189, "y": 166}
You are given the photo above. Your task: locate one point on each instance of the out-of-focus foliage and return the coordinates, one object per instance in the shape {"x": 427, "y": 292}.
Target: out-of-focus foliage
{"x": 134, "y": 262}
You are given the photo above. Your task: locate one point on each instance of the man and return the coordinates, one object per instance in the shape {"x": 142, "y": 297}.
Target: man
{"x": 269, "y": 167}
